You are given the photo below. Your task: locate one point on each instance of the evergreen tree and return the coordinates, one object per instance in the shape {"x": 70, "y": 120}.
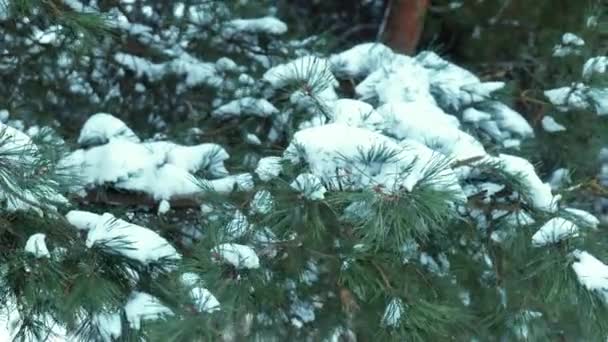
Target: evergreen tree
{"x": 194, "y": 171}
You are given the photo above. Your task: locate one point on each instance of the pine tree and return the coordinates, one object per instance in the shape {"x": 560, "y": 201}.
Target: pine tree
{"x": 194, "y": 171}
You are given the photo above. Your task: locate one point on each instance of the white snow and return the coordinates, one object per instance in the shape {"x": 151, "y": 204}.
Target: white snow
{"x": 310, "y": 186}
{"x": 163, "y": 207}
{"x": 401, "y": 80}
{"x": 310, "y": 69}
{"x": 579, "y": 96}
{"x": 239, "y": 256}
{"x": 268, "y": 168}
{"x": 204, "y": 300}
{"x": 360, "y": 60}
{"x": 245, "y": 106}
{"x": 355, "y": 113}
{"x": 142, "y": 306}
{"x": 393, "y": 312}
{"x": 103, "y": 127}
{"x": 194, "y": 71}
{"x": 572, "y": 39}
{"x": 595, "y": 65}
{"x": 474, "y": 115}
{"x": 429, "y": 125}
{"x": 566, "y": 98}
{"x": 510, "y": 120}
{"x": 559, "y": 178}
{"x": 237, "y": 227}
{"x": 198, "y": 157}
{"x": 161, "y": 169}
{"x": 554, "y": 231}
{"x": 83, "y": 220}
{"x": 339, "y": 156}
{"x": 15, "y": 143}
{"x": 268, "y": 25}
{"x": 552, "y": 126}
{"x": 262, "y": 202}
{"x": 570, "y": 45}
{"x": 109, "y": 326}
{"x": 539, "y": 192}
{"x": 132, "y": 241}
{"x": 591, "y": 273}
{"x": 447, "y": 79}
{"x": 585, "y": 218}
{"x": 36, "y": 245}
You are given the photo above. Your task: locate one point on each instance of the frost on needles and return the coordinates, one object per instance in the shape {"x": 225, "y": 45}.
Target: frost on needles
{"x": 361, "y": 194}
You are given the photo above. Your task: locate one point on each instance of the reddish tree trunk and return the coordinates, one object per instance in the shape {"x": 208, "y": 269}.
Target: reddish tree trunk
{"x": 405, "y": 24}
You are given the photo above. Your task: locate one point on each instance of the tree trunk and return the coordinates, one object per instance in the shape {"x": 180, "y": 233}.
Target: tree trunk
{"x": 405, "y": 24}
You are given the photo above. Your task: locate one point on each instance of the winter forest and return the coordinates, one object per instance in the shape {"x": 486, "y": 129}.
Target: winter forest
{"x": 291, "y": 170}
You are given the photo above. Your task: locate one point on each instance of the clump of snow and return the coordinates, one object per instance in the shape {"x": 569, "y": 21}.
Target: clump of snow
{"x": 245, "y": 106}
{"x": 595, "y": 65}
{"x": 268, "y": 168}
{"x": 509, "y": 120}
{"x": 132, "y": 241}
{"x": 447, "y": 80}
{"x": 83, "y": 220}
{"x": 161, "y": 169}
{"x": 428, "y": 124}
{"x": 103, "y": 127}
{"x": 206, "y": 156}
{"x": 360, "y": 60}
{"x": 355, "y": 113}
{"x": 142, "y": 306}
{"x": 345, "y": 157}
{"x": 238, "y": 226}
{"x": 268, "y": 25}
{"x": 578, "y": 96}
{"x": 539, "y": 193}
{"x": 402, "y": 80}
{"x": 239, "y": 256}
{"x": 570, "y": 45}
{"x": 4, "y": 115}
{"x": 163, "y": 207}
{"x": 194, "y": 71}
{"x": 15, "y": 143}
{"x": 109, "y": 325}
{"x": 310, "y": 186}
{"x": 309, "y": 69}
{"x": 559, "y": 178}
{"x": 591, "y": 273}
{"x": 554, "y": 231}
{"x": 584, "y": 217}
{"x": 393, "y": 313}
{"x": 566, "y": 98}
{"x": 262, "y": 202}
{"x": 36, "y": 245}
{"x": 204, "y": 300}
{"x": 552, "y": 126}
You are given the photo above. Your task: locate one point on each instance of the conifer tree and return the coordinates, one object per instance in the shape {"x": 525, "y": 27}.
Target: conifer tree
{"x": 195, "y": 171}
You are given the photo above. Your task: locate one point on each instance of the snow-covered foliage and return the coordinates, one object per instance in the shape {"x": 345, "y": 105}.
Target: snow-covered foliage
{"x": 143, "y": 306}
{"x": 326, "y": 181}
{"x": 119, "y": 236}
{"x": 591, "y": 272}
{"x": 161, "y": 169}
{"x": 36, "y": 245}
{"x": 583, "y": 96}
{"x": 239, "y": 256}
